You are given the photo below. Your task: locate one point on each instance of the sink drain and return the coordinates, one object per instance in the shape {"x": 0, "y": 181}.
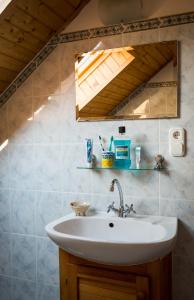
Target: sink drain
{"x": 111, "y": 225}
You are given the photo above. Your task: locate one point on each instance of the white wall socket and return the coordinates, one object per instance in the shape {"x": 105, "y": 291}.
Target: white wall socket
{"x": 177, "y": 141}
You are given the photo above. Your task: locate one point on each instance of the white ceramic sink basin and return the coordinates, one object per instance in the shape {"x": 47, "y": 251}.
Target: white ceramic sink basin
{"x": 114, "y": 240}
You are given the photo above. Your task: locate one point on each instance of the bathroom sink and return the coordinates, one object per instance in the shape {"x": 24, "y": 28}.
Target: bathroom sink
{"x": 113, "y": 240}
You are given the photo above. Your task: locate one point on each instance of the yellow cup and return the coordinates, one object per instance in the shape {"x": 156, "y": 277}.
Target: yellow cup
{"x": 107, "y": 159}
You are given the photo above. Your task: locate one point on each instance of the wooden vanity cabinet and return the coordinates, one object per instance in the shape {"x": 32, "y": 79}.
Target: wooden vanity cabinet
{"x": 84, "y": 280}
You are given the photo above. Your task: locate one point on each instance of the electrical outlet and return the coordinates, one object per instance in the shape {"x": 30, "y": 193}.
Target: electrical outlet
{"x": 177, "y": 141}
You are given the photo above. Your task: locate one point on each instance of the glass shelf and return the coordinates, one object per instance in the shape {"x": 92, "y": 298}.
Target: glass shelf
{"x": 119, "y": 169}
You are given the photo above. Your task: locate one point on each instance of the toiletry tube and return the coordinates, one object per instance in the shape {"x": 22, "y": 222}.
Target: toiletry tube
{"x": 138, "y": 156}
{"x": 89, "y": 152}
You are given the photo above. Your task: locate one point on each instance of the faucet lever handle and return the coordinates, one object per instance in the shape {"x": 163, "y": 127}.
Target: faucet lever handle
{"x": 129, "y": 209}
{"x": 111, "y": 206}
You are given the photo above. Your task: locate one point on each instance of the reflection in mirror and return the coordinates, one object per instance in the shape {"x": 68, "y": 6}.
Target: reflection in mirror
{"x": 135, "y": 82}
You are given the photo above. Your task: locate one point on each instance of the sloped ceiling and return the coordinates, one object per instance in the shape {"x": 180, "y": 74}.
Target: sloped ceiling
{"x": 25, "y": 27}
{"x": 148, "y": 61}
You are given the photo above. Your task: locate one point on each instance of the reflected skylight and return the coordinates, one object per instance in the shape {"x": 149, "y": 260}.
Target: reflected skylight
{"x": 3, "y": 145}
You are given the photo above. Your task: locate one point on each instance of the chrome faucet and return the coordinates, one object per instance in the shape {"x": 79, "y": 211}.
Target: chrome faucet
{"x": 121, "y": 211}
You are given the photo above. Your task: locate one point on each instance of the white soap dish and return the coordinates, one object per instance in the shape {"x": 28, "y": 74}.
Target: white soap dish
{"x": 80, "y": 208}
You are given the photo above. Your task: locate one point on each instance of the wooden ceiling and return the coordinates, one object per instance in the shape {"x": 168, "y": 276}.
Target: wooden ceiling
{"x": 25, "y": 27}
{"x": 148, "y": 61}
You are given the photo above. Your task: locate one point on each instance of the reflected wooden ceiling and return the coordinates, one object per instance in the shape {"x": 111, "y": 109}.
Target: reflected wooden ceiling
{"x": 105, "y": 93}
{"x": 25, "y": 27}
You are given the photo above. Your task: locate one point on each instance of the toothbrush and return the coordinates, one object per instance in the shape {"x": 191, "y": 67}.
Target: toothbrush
{"x": 100, "y": 139}
{"x": 111, "y": 141}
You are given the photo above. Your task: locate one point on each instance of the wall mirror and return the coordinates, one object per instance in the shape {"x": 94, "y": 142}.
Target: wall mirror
{"x": 135, "y": 82}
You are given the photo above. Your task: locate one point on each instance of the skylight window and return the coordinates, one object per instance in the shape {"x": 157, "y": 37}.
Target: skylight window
{"x": 4, "y": 4}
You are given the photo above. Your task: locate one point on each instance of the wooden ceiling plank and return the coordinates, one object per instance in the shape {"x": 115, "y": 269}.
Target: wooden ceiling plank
{"x": 101, "y": 99}
{"x": 10, "y": 63}
{"x": 18, "y": 49}
{"x": 110, "y": 93}
{"x": 102, "y": 104}
{"x": 38, "y": 10}
{"x": 11, "y": 58}
{"x": 62, "y": 8}
{"x": 15, "y": 35}
{"x": 49, "y": 27}
{"x": 141, "y": 68}
{"x": 121, "y": 90}
{"x": 28, "y": 24}
{"x": 164, "y": 50}
{"x": 144, "y": 56}
{"x": 105, "y": 94}
{"x": 3, "y": 85}
{"x": 93, "y": 109}
{"x": 167, "y": 48}
{"x": 145, "y": 50}
{"x": 14, "y": 51}
{"x": 129, "y": 78}
{"x": 154, "y": 52}
{"x": 7, "y": 75}
{"x": 89, "y": 115}
{"x": 127, "y": 92}
{"x": 174, "y": 49}
{"x": 161, "y": 54}
{"x": 75, "y": 3}
{"x": 120, "y": 81}
{"x": 137, "y": 76}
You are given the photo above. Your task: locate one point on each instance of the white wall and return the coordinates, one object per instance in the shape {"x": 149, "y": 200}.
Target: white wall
{"x": 89, "y": 18}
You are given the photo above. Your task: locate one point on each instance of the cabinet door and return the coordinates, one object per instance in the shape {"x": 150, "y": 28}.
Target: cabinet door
{"x": 85, "y": 283}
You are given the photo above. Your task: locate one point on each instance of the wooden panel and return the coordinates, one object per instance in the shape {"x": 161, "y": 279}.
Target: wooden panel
{"x": 99, "y": 289}
{"x": 155, "y": 53}
{"x": 161, "y": 273}
{"x": 18, "y": 36}
{"x": 26, "y": 23}
{"x": 3, "y": 85}
{"x": 25, "y": 27}
{"x": 130, "y": 78}
{"x": 106, "y": 99}
{"x": 99, "y": 283}
{"x": 74, "y": 3}
{"x": 14, "y": 50}
{"x": 10, "y": 63}
{"x": 103, "y": 105}
{"x": 7, "y": 75}
{"x": 85, "y": 280}
{"x": 61, "y": 7}
{"x": 165, "y": 50}
{"x": 146, "y": 59}
{"x": 123, "y": 82}
{"x": 139, "y": 70}
{"x": 42, "y": 13}
{"x": 94, "y": 110}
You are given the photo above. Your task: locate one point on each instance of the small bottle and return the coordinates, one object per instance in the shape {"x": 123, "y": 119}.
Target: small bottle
{"x": 122, "y": 150}
{"x": 138, "y": 157}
